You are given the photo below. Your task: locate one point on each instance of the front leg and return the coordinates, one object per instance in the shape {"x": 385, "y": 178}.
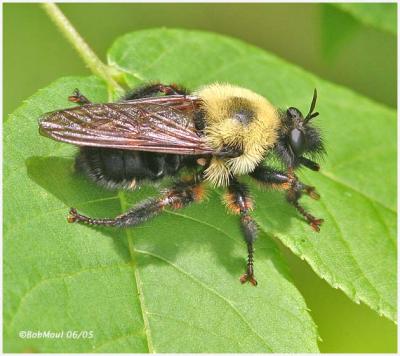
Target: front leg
{"x": 293, "y": 187}
{"x": 293, "y": 195}
{"x": 239, "y": 202}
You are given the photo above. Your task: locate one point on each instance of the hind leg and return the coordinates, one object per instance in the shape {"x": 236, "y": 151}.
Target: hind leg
{"x": 150, "y": 90}
{"x": 178, "y": 196}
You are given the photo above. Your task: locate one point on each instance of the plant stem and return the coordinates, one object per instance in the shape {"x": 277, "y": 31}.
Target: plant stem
{"x": 83, "y": 49}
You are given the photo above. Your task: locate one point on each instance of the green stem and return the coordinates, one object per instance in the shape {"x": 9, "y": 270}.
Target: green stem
{"x": 83, "y": 49}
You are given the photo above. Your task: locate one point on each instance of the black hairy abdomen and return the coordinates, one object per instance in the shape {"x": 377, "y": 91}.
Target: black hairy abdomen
{"x": 118, "y": 168}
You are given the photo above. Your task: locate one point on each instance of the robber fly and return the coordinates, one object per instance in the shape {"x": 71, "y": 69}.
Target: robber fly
{"x": 219, "y": 132}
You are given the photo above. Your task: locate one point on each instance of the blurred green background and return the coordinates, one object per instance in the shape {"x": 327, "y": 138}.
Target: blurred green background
{"x": 321, "y": 38}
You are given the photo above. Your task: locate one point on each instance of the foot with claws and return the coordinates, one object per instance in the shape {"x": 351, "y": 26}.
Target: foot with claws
{"x": 294, "y": 193}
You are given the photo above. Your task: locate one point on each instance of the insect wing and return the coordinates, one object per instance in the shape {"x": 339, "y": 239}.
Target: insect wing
{"x": 156, "y": 125}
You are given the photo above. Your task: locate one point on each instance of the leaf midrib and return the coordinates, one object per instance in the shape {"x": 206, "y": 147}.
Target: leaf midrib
{"x": 132, "y": 253}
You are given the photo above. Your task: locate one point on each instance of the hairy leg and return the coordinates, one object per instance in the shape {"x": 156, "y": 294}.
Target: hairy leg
{"x": 178, "y": 196}
{"x": 239, "y": 202}
{"x": 137, "y": 93}
{"x": 149, "y": 90}
{"x": 78, "y": 98}
{"x": 293, "y": 187}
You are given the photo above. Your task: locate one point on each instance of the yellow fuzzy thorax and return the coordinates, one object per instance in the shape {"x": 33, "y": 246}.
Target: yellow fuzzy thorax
{"x": 223, "y": 104}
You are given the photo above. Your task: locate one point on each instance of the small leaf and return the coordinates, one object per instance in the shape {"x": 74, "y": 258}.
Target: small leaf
{"x": 170, "y": 285}
{"x": 380, "y": 16}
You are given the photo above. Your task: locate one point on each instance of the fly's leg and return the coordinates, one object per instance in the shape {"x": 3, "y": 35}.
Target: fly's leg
{"x": 293, "y": 195}
{"x": 140, "y": 92}
{"x": 78, "y": 98}
{"x": 154, "y": 89}
{"x": 178, "y": 196}
{"x": 293, "y": 187}
{"x": 239, "y": 202}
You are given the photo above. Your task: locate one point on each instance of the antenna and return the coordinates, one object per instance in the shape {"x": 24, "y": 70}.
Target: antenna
{"x": 310, "y": 114}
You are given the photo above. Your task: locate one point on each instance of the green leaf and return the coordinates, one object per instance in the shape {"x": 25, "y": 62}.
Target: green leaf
{"x": 337, "y": 28}
{"x": 380, "y": 16}
{"x": 356, "y": 249}
{"x": 170, "y": 285}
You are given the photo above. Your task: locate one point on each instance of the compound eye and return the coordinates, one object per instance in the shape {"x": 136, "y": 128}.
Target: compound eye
{"x": 297, "y": 141}
{"x": 294, "y": 113}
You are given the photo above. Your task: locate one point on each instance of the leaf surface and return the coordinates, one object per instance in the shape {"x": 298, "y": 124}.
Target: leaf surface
{"x": 356, "y": 249}
{"x": 170, "y": 285}
{"x": 382, "y": 16}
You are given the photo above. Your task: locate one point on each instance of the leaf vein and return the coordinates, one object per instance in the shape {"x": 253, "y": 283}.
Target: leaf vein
{"x": 202, "y": 284}
{"x": 138, "y": 280}
{"x": 330, "y": 176}
{"x": 195, "y": 327}
{"x": 360, "y": 271}
{"x": 62, "y": 276}
{"x": 112, "y": 340}
{"x": 202, "y": 223}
